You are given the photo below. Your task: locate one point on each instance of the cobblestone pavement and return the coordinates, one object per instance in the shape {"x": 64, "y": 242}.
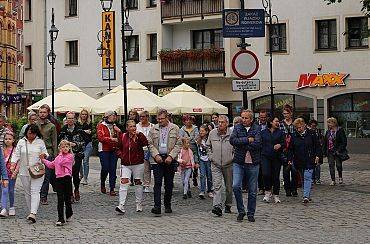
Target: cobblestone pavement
{"x": 339, "y": 214}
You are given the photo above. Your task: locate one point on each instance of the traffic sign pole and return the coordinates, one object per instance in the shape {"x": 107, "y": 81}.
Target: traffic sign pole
{"x": 243, "y": 46}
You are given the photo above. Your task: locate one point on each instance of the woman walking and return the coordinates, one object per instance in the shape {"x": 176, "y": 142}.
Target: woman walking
{"x": 273, "y": 142}
{"x": 27, "y": 155}
{"x": 204, "y": 163}
{"x": 84, "y": 122}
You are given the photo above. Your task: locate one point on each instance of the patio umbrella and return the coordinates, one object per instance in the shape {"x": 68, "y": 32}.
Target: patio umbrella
{"x": 188, "y": 100}
{"x": 66, "y": 98}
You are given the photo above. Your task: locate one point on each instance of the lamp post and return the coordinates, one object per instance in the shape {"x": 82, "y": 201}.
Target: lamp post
{"x": 272, "y": 40}
{"x": 6, "y": 80}
{"x": 125, "y": 28}
{"x": 52, "y": 57}
{"x": 105, "y": 52}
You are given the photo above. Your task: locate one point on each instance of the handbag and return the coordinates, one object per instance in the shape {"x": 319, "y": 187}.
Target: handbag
{"x": 343, "y": 156}
{"x": 36, "y": 171}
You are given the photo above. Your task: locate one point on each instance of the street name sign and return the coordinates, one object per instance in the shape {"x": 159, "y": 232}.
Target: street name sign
{"x": 246, "y": 85}
{"x": 243, "y": 23}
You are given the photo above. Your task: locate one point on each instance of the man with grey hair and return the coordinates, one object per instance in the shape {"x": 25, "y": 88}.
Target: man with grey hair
{"x": 220, "y": 153}
{"x": 164, "y": 146}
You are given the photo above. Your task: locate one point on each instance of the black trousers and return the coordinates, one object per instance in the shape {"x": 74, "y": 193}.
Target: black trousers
{"x": 64, "y": 191}
{"x": 163, "y": 171}
{"x": 290, "y": 178}
{"x": 76, "y": 172}
{"x": 271, "y": 174}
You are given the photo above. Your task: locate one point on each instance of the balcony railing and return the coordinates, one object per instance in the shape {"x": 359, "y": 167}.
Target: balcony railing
{"x": 190, "y": 8}
{"x": 192, "y": 62}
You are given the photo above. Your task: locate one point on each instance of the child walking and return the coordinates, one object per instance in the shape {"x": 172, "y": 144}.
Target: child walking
{"x": 63, "y": 171}
{"x": 205, "y": 163}
{"x": 186, "y": 161}
{"x": 12, "y": 171}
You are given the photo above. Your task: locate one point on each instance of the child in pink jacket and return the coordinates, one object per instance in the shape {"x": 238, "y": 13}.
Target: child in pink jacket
{"x": 63, "y": 171}
{"x": 186, "y": 165}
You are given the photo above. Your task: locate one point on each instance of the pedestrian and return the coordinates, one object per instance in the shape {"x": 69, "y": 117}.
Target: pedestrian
{"x": 133, "y": 115}
{"x": 215, "y": 117}
{"x": 272, "y": 141}
{"x": 289, "y": 172}
{"x": 164, "y": 147}
{"x": 144, "y": 127}
{"x": 262, "y": 122}
{"x": 63, "y": 182}
{"x": 190, "y": 131}
{"x": 52, "y": 119}
{"x": 108, "y": 134}
{"x": 186, "y": 161}
{"x": 49, "y": 135}
{"x": 246, "y": 140}
{"x": 32, "y": 119}
{"x": 131, "y": 152}
{"x": 12, "y": 171}
{"x": 26, "y": 155}
{"x": 220, "y": 153}
{"x": 335, "y": 148}
{"x": 204, "y": 163}
{"x": 85, "y": 124}
{"x": 3, "y": 130}
{"x": 236, "y": 120}
{"x": 316, "y": 175}
{"x": 75, "y": 135}
{"x": 304, "y": 154}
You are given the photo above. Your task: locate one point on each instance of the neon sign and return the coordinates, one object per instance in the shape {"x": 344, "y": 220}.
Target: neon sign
{"x": 316, "y": 80}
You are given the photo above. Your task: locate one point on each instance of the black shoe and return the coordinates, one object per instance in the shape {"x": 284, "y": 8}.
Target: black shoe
{"x": 251, "y": 218}
{"x": 195, "y": 182}
{"x": 288, "y": 194}
{"x": 217, "y": 211}
{"x": 185, "y": 196}
{"x": 227, "y": 209}
{"x": 156, "y": 211}
{"x": 240, "y": 217}
{"x": 295, "y": 194}
{"x": 202, "y": 197}
{"x": 189, "y": 194}
{"x": 168, "y": 210}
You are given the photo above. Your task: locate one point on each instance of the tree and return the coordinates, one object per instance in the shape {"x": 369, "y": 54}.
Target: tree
{"x": 365, "y": 5}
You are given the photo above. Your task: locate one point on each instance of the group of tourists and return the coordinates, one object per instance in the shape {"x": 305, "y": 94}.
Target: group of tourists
{"x": 247, "y": 157}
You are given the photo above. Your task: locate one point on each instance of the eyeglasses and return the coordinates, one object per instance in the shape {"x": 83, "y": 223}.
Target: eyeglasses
{"x": 142, "y": 116}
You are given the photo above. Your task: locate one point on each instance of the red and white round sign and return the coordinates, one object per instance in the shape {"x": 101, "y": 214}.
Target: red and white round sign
{"x": 245, "y": 64}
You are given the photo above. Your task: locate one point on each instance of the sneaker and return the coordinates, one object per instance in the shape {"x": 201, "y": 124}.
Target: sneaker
{"x": 147, "y": 189}
{"x": 210, "y": 194}
{"x": 84, "y": 181}
{"x": 156, "y": 211}
{"x": 32, "y": 218}
{"x": 3, "y": 213}
{"x": 240, "y": 217}
{"x": 168, "y": 210}
{"x": 318, "y": 182}
{"x": 332, "y": 183}
{"x": 267, "y": 197}
{"x": 185, "y": 196}
{"x": 44, "y": 201}
{"x": 228, "y": 209}
{"x": 12, "y": 211}
{"x": 217, "y": 211}
{"x": 120, "y": 209}
{"x": 59, "y": 223}
{"x": 77, "y": 196}
{"x": 340, "y": 181}
{"x": 201, "y": 196}
{"x": 103, "y": 190}
{"x": 139, "y": 207}
{"x": 277, "y": 199}
{"x": 251, "y": 218}
{"x": 189, "y": 194}
{"x": 305, "y": 200}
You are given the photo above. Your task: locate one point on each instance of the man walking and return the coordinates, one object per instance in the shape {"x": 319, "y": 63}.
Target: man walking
{"x": 220, "y": 154}
{"x": 247, "y": 158}
{"x": 164, "y": 146}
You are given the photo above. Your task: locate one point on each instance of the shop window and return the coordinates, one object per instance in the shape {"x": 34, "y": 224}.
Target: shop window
{"x": 357, "y": 32}
{"x": 326, "y": 34}
{"x": 132, "y": 50}
{"x": 278, "y": 38}
{"x": 206, "y": 39}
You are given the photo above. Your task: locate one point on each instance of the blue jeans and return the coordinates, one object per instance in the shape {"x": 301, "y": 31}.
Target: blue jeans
{"x": 307, "y": 182}
{"x": 8, "y": 194}
{"x": 108, "y": 161}
{"x": 249, "y": 171}
{"x": 84, "y": 171}
{"x": 205, "y": 176}
{"x": 185, "y": 176}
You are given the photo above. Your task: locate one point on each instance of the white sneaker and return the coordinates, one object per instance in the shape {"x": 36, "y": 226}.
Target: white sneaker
{"x": 267, "y": 197}
{"x": 210, "y": 194}
{"x": 3, "y": 213}
{"x": 147, "y": 189}
{"x": 332, "y": 183}
{"x": 59, "y": 223}
{"x": 69, "y": 219}
{"x": 340, "y": 181}
{"x": 277, "y": 199}
{"x": 139, "y": 207}
{"x": 120, "y": 209}
{"x": 84, "y": 181}
{"x": 12, "y": 211}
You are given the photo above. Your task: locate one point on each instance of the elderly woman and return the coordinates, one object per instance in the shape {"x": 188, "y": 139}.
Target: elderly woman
{"x": 27, "y": 154}
{"x": 335, "y": 144}
{"x": 32, "y": 119}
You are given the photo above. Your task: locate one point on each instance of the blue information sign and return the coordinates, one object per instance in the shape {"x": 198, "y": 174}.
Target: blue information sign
{"x": 243, "y": 23}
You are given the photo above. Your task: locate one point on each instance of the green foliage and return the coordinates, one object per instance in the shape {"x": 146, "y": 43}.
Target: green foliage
{"x": 17, "y": 125}
{"x": 365, "y": 5}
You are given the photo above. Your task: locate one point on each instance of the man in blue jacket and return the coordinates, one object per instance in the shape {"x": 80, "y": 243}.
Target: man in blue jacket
{"x": 246, "y": 141}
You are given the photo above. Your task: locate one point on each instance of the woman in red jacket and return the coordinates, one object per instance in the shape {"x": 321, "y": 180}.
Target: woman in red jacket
{"x": 131, "y": 151}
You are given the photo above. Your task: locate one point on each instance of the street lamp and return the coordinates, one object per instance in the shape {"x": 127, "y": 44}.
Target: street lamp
{"x": 52, "y": 57}
{"x": 125, "y": 29}
{"x": 105, "y": 52}
{"x": 7, "y": 60}
{"x": 273, "y": 40}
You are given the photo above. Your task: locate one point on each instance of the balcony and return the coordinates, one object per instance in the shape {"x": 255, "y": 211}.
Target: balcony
{"x": 192, "y": 63}
{"x": 174, "y": 11}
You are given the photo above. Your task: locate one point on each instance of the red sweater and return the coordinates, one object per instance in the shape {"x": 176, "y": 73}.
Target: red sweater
{"x": 104, "y": 137}
{"x": 131, "y": 152}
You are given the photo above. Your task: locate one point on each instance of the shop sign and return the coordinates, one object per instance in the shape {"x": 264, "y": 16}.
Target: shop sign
{"x": 12, "y": 98}
{"x": 108, "y": 43}
{"x": 164, "y": 91}
{"x": 321, "y": 80}
{"x": 197, "y": 110}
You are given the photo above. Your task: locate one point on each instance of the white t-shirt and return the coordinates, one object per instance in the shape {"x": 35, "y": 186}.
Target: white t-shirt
{"x": 144, "y": 130}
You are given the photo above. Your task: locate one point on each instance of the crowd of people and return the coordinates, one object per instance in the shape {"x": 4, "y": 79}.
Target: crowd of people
{"x": 246, "y": 157}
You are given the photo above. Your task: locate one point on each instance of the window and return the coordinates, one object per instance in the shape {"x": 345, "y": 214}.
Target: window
{"x": 152, "y": 3}
{"x": 206, "y": 39}
{"x": 132, "y": 4}
{"x": 27, "y": 10}
{"x": 357, "y": 32}
{"x": 28, "y": 57}
{"x": 71, "y": 7}
{"x": 153, "y": 46}
{"x": 132, "y": 48}
{"x": 72, "y": 52}
{"x": 326, "y": 34}
{"x": 278, "y": 38}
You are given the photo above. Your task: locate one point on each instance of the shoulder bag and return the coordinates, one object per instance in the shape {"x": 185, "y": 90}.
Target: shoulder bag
{"x": 36, "y": 171}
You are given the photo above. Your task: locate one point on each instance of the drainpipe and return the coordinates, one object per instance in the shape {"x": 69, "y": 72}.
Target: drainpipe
{"x": 44, "y": 53}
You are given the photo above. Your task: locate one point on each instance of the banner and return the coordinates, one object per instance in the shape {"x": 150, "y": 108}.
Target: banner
{"x": 109, "y": 43}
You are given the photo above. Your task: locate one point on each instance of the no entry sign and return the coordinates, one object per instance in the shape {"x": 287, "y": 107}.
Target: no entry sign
{"x": 245, "y": 64}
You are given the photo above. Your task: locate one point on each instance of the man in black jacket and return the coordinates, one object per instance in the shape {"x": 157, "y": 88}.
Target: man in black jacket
{"x": 75, "y": 136}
